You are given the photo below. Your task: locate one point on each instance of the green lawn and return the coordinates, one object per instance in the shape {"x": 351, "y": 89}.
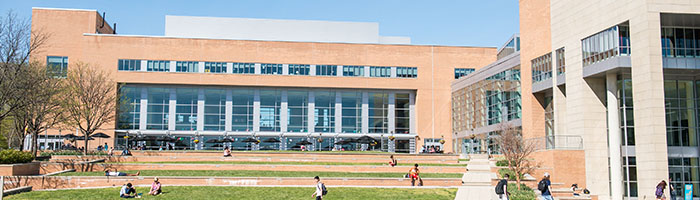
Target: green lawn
{"x": 252, "y": 173}
{"x": 294, "y": 163}
{"x": 266, "y": 193}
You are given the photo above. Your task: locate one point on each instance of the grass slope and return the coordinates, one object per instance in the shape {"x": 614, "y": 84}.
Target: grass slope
{"x": 214, "y": 192}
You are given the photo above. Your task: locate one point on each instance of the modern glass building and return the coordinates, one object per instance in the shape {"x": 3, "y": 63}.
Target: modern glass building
{"x": 244, "y": 82}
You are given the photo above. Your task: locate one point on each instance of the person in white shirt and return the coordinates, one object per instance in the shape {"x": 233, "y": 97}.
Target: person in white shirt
{"x": 116, "y": 173}
{"x": 319, "y": 189}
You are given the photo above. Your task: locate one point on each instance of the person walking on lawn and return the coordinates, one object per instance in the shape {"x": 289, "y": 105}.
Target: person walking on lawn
{"x": 320, "y": 189}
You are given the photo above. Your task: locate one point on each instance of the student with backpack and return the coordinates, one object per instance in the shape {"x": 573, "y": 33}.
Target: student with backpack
{"x": 502, "y": 188}
{"x": 320, "y": 189}
{"x": 545, "y": 186}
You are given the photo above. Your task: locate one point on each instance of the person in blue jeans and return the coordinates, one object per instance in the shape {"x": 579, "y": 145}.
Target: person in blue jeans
{"x": 546, "y": 194}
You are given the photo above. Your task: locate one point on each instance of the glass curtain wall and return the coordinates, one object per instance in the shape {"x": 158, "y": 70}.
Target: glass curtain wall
{"x": 158, "y": 102}
{"x": 186, "y": 109}
{"x": 130, "y": 114}
{"x": 297, "y": 110}
{"x": 324, "y": 111}
{"x": 270, "y": 105}
{"x": 401, "y": 113}
{"x": 214, "y": 110}
{"x": 242, "y": 115}
{"x": 352, "y": 112}
{"x": 378, "y": 112}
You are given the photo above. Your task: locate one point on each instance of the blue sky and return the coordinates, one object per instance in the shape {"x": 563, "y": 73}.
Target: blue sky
{"x": 441, "y": 22}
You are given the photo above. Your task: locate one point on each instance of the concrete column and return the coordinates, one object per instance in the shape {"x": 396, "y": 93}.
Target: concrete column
{"x": 365, "y": 112}
{"x": 229, "y": 68}
{"x": 393, "y": 72}
{"x": 392, "y": 113}
{"x": 173, "y": 66}
{"x": 284, "y": 114}
{"x": 366, "y": 71}
{"x": 256, "y": 111}
{"x": 229, "y": 110}
{"x": 258, "y": 70}
{"x": 310, "y": 125}
{"x": 338, "y": 112}
{"x": 285, "y": 69}
{"x": 614, "y": 136}
{"x": 339, "y": 70}
{"x": 143, "y": 110}
{"x": 412, "y": 113}
{"x": 200, "y": 110}
{"x": 172, "y": 104}
{"x": 312, "y": 70}
{"x": 200, "y": 67}
{"x": 144, "y": 65}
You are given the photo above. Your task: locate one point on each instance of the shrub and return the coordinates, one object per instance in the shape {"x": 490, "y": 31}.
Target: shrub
{"x": 11, "y": 156}
{"x": 525, "y": 192}
{"x": 73, "y": 153}
{"x": 502, "y": 163}
{"x": 503, "y": 171}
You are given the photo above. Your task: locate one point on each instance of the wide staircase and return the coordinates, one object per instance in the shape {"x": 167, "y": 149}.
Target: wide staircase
{"x": 246, "y": 161}
{"x": 476, "y": 182}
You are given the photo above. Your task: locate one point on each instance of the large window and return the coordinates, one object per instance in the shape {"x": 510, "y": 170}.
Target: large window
{"x": 681, "y": 112}
{"x": 684, "y": 170}
{"x": 243, "y": 68}
{"x": 297, "y": 111}
{"x": 407, "y": 72}
{"x": 57, "y": 66}
{"x": 542, "y": 68}
{"x": 295, "y": 69}
{"x": 129, "y": 65}
{"x": 380, "y": 71}
{"x": 215, "y": 67}
{"x": 158, "y": 66}
{"x": 326, "y": 70}
{"x": 186, "y": 109}
{"x": 158, "y": 103}
{"x": 378, "y": 110}
{"x": 271, "y": 68}
{"x": 324, "y": 111}
{"x": 460, "y": 72}
{"x": 270, "y": 105}
{"x": 680, "y": 42}
{"x": 186, "y": 66}
{"x": 352, "y": 112}
{"x": 402, "y": 118}
{"x": 129, "y": 111}
{"x": 606, "y": 44}
{"x": 243, "y": 101}
{"x": 353, "y": 70}
{"x": 214, "y": 110}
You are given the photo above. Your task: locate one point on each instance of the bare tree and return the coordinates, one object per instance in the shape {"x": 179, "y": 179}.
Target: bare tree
{"x": 17, "y": 42}
{"x": 516, "y": 151}
{"x": 42, "y": 107}
{"x": 91, "y": 99}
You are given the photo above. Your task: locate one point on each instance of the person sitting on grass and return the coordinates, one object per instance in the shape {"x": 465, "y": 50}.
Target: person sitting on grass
{"x": 128, "y": 191}
{"x": 227, "y": 152}
{"x": 414, "y": 173}
{"x": 155, "y": 187}
{"x": 393, "y": 161}
{"x": 116, "y": 173}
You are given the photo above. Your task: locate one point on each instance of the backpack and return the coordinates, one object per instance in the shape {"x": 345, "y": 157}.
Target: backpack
{"x": 500, "y": 185}
{"x": 542, "y": 186}
{"x": 324, "y": 191}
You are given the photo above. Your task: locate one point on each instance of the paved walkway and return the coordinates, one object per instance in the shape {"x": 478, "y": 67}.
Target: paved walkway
{"x": 477, "y": 180}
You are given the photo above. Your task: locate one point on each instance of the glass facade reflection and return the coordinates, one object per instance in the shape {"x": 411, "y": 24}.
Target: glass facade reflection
{"x": 242, "y": 114}
{"x": 130, "y": 115}
{"x": 158, "y": 103}
{"x": 270, "y": 107}
{"x": 487, "y": 102}
{"x": 352, "y": 112}
{"x": 297, "y": 110}
{"x": 611, "y": 42}
{"x": 378, "y": 112}
{"x": 324, "y": 111}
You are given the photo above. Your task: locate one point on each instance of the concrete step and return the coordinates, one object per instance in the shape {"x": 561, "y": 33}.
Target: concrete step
{"x": 259, "y": 158}
{"x": 573, "y": 198}
{"x": 478, "y": 156}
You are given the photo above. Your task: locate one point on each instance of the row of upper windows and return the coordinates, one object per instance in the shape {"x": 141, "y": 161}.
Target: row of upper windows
{"x": 249, "y": 68}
